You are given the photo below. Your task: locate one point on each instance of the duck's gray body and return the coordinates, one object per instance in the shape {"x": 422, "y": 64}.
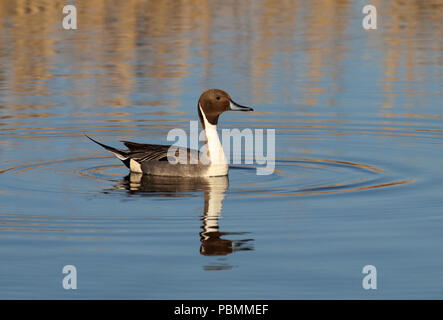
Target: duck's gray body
{"x": 164, "y": 168}
{"x": 153, "y": 159}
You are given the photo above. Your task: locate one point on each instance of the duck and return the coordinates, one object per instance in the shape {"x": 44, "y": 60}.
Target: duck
{"x": 173, "y": 161}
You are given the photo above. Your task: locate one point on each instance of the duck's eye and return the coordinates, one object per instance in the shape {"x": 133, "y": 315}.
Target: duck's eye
{"x": 218, "y": 98}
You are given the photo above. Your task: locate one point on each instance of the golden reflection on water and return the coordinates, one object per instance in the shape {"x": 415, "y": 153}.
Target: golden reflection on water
{"x": 159, "y": 41}
{"x": 406, "y": 47}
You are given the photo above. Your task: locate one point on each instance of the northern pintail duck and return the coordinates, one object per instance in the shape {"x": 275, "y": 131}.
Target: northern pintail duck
{"x": 154, "y": 159}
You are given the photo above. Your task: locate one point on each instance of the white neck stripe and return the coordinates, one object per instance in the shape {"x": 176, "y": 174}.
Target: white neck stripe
{"x": 215, "y": 148}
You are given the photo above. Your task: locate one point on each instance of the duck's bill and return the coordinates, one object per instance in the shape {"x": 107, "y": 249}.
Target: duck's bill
{"x": 237, "y": 107}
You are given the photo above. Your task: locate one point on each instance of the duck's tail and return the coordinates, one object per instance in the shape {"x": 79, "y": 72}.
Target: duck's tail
{"x": 121, "y": 154}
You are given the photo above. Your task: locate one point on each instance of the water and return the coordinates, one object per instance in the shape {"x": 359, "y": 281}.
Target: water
{"x": 359, "y": 137}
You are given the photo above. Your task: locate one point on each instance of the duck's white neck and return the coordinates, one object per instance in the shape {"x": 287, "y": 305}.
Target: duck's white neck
{"x": 215, "y": 148}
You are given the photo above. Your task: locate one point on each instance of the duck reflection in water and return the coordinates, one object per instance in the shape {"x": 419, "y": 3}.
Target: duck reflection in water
{"x": 213, "y": 188}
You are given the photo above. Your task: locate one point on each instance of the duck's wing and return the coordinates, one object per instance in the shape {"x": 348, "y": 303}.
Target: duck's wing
{"x": 156, "y": 152}
{"x": 150, "y": 152}
{"x": 146, "y": 152}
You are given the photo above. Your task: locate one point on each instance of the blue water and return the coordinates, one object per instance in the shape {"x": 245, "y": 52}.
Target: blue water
{"x": 359, "y": 148}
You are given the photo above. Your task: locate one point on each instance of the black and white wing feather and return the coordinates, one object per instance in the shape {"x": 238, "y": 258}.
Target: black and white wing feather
{"x": 140, "y": 152}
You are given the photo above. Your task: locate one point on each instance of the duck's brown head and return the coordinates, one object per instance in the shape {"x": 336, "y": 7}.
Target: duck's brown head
{"x": 214, "y": 102}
